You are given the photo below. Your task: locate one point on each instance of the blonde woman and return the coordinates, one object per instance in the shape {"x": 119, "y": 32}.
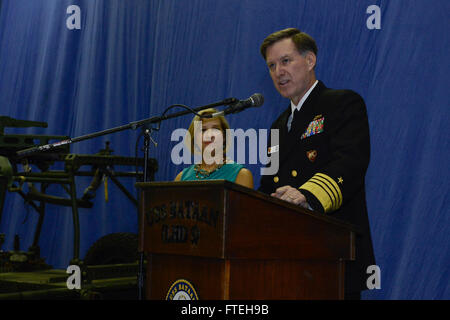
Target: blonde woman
{"x": 207, "y": 142}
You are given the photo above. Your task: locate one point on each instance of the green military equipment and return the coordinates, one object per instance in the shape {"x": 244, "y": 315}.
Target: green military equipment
{"x": 6, "y": 170}
{"x": 11, "y": 122}
{"x": 25, "y": 275}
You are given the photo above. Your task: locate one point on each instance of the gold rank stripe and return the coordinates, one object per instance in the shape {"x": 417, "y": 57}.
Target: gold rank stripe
{"x": 333, "y": 187}
{"x": 326, "y": 190}
{"x": 318, "y": 191}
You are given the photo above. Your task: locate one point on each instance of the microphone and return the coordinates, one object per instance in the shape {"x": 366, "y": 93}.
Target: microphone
{"x": 255, "y": 100}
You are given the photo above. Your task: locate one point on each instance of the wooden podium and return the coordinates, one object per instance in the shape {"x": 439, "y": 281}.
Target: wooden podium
{"x": 230, "y": 242}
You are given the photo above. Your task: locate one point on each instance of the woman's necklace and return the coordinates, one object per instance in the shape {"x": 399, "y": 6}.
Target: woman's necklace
{"x": 202, "y": 173}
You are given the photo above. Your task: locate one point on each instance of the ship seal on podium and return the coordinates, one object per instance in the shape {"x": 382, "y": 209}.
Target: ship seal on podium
{"x": 182, "y": 289}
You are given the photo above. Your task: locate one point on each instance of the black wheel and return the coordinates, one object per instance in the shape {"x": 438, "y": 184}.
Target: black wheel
{"x": 114, "y": 248}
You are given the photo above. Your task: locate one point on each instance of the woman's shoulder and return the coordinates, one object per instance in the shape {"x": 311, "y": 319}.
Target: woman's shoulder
{"x": 245, "y": 178}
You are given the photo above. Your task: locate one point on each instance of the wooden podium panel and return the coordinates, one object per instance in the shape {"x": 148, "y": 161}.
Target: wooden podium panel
{"x": 245, "y": 279}
{"x": 232, "y": 242}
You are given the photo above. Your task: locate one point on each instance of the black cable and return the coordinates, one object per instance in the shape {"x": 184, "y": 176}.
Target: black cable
{"x": 183, "y": 106}
{"x": 136, "y": 154}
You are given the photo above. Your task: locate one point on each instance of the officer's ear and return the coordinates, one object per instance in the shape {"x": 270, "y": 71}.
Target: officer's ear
{"x": 310, "y": 60}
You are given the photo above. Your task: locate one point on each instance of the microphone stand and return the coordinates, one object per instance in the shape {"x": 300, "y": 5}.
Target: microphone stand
{"x": 141, "y": 273}
{"x": 147, "y": 138}
{"x": 132, "y": 125}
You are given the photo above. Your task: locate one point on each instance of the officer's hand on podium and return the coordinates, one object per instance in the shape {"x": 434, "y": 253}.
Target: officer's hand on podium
{"x": 292, "y": 195}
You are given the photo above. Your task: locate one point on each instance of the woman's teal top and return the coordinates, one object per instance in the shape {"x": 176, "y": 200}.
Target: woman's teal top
{"x": 228, "y": 171}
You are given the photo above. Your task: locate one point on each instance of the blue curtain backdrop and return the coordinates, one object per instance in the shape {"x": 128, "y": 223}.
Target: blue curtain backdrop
{"x": 129, "y": 60}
